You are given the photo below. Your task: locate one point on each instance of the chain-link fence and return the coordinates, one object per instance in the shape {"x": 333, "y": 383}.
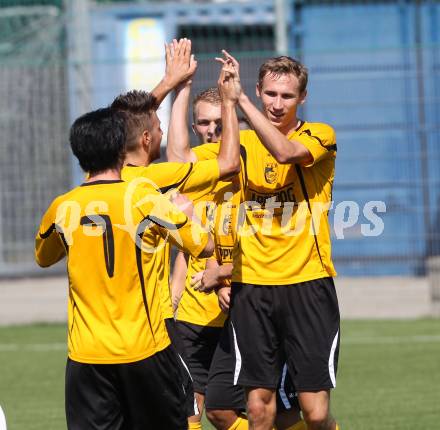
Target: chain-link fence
{"x": 374, "y": 76}
{"x": 34, "y": 164}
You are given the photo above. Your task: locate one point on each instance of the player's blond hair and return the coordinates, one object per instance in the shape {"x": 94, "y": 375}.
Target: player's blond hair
{"x": 284, "y": 65}
{"x": 210, "y": 95}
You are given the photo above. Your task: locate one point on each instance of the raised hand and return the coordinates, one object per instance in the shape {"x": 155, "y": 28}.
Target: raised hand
{"x": 229, "y": 80}
{"x": 180, "y": 63}
{"x": 234, "y": 62}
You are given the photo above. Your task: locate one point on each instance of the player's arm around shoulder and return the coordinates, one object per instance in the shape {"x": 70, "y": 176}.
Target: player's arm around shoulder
{"x": 49, "y": 245}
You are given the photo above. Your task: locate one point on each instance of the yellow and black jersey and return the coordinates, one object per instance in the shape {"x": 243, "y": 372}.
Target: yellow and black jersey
{"x": 196, "y": 307}
{"x": 220, "y": 208}
{"x": 224, "y": 232}
{"x": 279, "y": 242}
{"x": 195, "y": 180}
{"x": 110, "y": 232}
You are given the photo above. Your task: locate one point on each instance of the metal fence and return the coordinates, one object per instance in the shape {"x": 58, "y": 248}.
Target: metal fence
{"x": 374, "y": 76}
{"x": 34, "y": 164}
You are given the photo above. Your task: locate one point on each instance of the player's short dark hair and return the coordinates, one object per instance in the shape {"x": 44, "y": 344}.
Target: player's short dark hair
{"x": 98, "y": 138}
{"x": 138, "y": 105}
{"x": 284, "y": 65}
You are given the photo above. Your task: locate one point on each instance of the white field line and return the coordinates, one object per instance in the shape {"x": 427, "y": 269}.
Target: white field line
{"x": 35, "y": 347}
{"x": 383, "y": 340}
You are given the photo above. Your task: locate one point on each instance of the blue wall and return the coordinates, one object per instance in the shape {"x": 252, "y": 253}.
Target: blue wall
{"x": 381, "y": 94}
{"x": 375, "y": 76}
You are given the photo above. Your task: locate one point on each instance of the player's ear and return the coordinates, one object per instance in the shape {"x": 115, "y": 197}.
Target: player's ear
{"x": 258, "y": 90}
{"x": 145, "y": 140}
{"x": 303, "y": 97}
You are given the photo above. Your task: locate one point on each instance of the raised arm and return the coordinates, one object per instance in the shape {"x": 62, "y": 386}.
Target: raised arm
{"x": 178, "y": 142}
{"x": 229, "y": 88}
{"x": 178, "y": 148}
{"x": 180, "y": 66}
{"x": 283, "y": 150}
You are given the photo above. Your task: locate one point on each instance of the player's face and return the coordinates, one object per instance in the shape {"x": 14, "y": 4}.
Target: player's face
{"x": 208, "y": 122}
{"x": 156, "y": 136}
{"x": 280, "y": 97}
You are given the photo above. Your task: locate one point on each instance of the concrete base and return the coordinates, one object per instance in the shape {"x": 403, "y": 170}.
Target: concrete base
{"x": 435, "y": 309}
{"x": 45, "y": 299}
{"x": 384, "y": 297}
{"x": 33, "y": 300}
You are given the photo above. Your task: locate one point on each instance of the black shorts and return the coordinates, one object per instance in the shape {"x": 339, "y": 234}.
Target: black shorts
{"x": 199, "y": 344}
{"x": 221, "y": 393}
{"x": 297, "y": 324}
{"x": 131, "y": 396}
{"x": 177, "y": 344}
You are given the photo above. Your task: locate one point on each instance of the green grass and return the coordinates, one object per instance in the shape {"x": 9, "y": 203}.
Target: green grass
{"x": 389, "y": 376}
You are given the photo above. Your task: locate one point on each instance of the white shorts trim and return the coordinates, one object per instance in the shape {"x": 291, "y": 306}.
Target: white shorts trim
{"x": 237, "y": 356}
{"x": 331, "y": 360}
{"x": 282, "y": 389}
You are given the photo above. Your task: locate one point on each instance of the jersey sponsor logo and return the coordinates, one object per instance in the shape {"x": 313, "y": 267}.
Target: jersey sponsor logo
{"x": 271, "y": 172}
{"x": 281, "y": 195}
{"x": 225, "y": 253}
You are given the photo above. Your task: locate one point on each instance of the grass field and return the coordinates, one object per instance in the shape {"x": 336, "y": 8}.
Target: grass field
{"x": 389, "y": 376}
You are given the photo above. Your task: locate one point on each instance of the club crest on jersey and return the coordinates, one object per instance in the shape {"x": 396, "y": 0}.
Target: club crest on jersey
{"x": 271, "y": 172}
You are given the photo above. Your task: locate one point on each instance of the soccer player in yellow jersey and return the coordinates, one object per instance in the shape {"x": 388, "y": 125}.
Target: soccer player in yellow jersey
{"x": 282, "y": 290}
{"x": 195, "y": 180}
{"x": 213, "y": 365}
{"x": 120, "y": 372}
{"x": 199, "y": 318}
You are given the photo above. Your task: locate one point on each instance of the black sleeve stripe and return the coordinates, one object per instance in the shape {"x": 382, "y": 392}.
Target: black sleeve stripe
{"x": 47, "y": 233}
{"x": 161, "y": 223}
{"x": 177, "y": 184}
{"x": 50, "y": 230}
{"x": 243, "y": 155}
{"x": 328, "y": 148}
